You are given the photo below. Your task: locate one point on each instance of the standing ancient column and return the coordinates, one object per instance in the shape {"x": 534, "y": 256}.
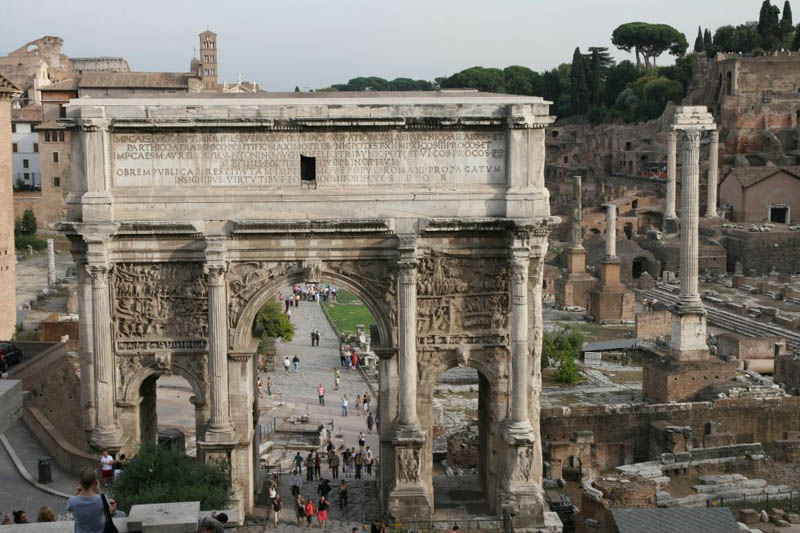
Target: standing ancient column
{"x": 519, "y": 341}
{"x": 407, "y": 342}
{"x": 219, "y": 426}
{"x": 690, "y": 213}
{"x": 51, "y": 264}
{"x": 107, "y": 433}
{"x": 713, "y": 173}
{"x": 611, "y": 231}
{"x": 577, "y": 213}
{"x": 672, "y": 141}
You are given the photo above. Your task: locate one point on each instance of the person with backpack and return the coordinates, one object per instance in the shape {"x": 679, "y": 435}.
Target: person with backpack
{"x": 300, "y": 509}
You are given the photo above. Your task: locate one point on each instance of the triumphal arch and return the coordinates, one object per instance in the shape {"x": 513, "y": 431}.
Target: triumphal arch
{"x": 187, "y": 213}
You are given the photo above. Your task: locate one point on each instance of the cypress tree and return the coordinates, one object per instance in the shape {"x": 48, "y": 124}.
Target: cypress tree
{"x": 699, "y": 45}
{"x": 707, "y": 39}
{"x": 597, "y": 77}
{"x": 580, "y": 90}
{"x": 786, "y": 25}
{"x": 796, "y": 43}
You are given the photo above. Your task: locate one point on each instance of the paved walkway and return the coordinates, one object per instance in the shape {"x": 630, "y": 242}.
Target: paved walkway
{"x": 15, "y": 492}
{"x": 298, "y": 393}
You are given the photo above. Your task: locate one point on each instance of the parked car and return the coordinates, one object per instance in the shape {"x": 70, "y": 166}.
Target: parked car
{"x": 9, "y": 355}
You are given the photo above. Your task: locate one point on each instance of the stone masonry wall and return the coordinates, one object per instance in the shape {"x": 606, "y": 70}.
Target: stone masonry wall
{"x": 749, "y": 420}
{"x": 652, "y": 324}
{"x": 762, "y": 251}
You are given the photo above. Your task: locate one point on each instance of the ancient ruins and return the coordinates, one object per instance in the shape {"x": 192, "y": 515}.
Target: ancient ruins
{"x": 431, "y": 208}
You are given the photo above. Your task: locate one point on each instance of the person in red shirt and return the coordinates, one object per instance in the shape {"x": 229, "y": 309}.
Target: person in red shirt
{"x": 355, "y": 361}
{"x": 321, "y": 393}
{"x": 310, "y": 512}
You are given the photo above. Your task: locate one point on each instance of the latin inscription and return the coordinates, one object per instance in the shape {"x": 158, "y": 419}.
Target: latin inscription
{"x": 271, "y": 160}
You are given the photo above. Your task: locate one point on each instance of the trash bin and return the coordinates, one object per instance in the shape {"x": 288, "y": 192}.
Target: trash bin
{"x": 45, "y": 470}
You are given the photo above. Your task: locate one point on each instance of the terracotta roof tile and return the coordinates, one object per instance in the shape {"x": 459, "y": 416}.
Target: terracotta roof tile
{"x": 7, "y": 87}
{"x": 145, "y": 80}
{"x": 749, "y": 176}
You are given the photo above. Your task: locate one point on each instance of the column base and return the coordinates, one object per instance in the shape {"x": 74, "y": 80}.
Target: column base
{"x": 220, "y": 435}
{"x": 107, "y": 438}
{"x": 519, "y": 433}
{"x": 671, "y": 224}
{"x": 410, "y": 503}
{"x": 524, "y": 506}
{"x": 408, "y": 435}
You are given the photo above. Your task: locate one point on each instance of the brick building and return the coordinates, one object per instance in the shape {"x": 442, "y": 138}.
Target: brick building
{"x": 762, "y": 194}
{"x": 7, "y": 257}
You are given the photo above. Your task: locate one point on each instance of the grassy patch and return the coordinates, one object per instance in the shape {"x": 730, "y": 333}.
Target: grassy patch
{"x": 348, "y": 312}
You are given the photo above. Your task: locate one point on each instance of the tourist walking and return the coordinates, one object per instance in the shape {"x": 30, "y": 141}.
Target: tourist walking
{"x": 366, "y": 402}
{"x": 300, "y": 509}
{"x": 309, "y": 467}
{"x": 362, "y": 440}
{"x": 369, "y": 459}
{"x": 286, "y": 363}
{"x": 344, "y": 404}
{"x": 337, "y": 377}
{"x": 317, "y": 466}
{"x": 341, "y": 355}
{"x": 358, "y": 405}
{"x": 343, "y": 490}
{"x": 313, "y": 338}
{"x": 321, "y": 393}
{"x": 260, "y": 387}
{"x": 277, "y": 505}
{"x": 107, "y": 467}
{"x": 346, "y": 462}
{"x": 355, "y": 361}
{"x": 359, "y": 460}
{"x": 272, "y": 493}
{"x": 269, "y": 385}
{"x": 370, "y": 422}
{"x": 310, "y": 512}
{"x": 334, "y": 466}
{"x": 297, "y": 482}
{"x": 316, "y": 331}
{"x": 296, "y": 363}
{"x": 322, "y": 512}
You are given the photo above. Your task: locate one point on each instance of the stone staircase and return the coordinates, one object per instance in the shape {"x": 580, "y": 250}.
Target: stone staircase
{"x": 730, "y": 321}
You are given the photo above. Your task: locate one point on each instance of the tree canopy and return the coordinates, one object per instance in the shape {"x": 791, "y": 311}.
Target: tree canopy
{"x": 276, "y": 325}
{"x": 490, "y": 80}
{"x": 648, "y": 41}
{"x": 560, "y": 350}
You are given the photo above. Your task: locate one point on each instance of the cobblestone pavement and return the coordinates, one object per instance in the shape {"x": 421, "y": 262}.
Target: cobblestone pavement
{"x": 298, "y": 394}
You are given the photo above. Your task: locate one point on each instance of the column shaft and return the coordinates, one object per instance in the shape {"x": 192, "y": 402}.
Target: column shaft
{"x": 104, "y": 357}
{"x": 519, "y": 341}
{"x": 577, "y": 213}
{"x": 407, "y": 341}
{"x": 218, "y": 351}
{"x": 672, "y": 141}
{"x": 85, "y": 331}
{"x": 611, "y": 230}
{"x": 713, "y": 173}
{"x": 690, "y": 212}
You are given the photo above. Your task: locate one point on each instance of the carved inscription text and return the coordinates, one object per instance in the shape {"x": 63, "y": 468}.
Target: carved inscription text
{"x": 270, "y": 160}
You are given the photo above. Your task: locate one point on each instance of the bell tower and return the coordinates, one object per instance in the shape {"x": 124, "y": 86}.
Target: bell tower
{"x": 208, "y": 60}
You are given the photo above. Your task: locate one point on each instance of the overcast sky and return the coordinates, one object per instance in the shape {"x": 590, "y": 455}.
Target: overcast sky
{"x": 314, "y": 43}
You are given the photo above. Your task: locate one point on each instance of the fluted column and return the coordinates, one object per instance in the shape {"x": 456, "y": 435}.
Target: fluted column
{"x": 520, "y": 375}
{"x": 672, "y": 141}
{"x": 86, "y": 333}
{"x": 690, "y": 213}
{"x": 577, "y": 213}
{"x": 407, "y": 341}
{"x": 611, "y": 231}
{"x": 107, "y": 433}
{"x": 219, "y": 426}
{"x": 713, "y": 174}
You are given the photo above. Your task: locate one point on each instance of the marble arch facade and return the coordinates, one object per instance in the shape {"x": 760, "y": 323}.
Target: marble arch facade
{"x": 187, "y": 213}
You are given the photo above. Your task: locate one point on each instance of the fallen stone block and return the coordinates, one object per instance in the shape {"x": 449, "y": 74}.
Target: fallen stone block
{"x": 748, "y": 516}
{"x": 792, "y": 518}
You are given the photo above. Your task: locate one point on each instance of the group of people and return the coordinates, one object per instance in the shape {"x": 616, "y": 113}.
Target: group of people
{"x": 21, "y": 517}
{"x": 309, "y": 292}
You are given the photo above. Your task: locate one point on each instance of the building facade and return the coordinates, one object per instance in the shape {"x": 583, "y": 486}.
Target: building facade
{"x": 8, "y": 294}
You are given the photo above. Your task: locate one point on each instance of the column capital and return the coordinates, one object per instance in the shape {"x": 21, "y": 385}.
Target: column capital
{"x": 691, "y": 135}
{"x": 520, "y": 267}
{"x": 215, "y": 272}
{"x": 99, "y": 273}
{"x": 672, "y": 136}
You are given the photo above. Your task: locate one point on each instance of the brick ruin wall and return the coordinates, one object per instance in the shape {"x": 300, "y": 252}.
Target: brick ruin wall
{"x": 748, "y": 420}
{"x": 762, "y": 251}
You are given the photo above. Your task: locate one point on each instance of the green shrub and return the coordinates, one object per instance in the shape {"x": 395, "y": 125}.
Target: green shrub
{"x": 29, "y": 223}
{"x": 561, "y": 350}
{"x": 22, "y": 241}
{"x": 161, "y": 475}
{"x": 275, "y": 323}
